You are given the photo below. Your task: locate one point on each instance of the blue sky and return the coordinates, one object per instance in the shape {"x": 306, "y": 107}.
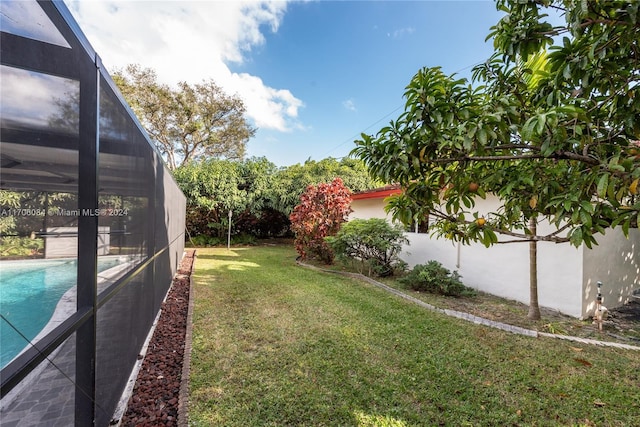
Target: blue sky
{"x": 313, "y": 74}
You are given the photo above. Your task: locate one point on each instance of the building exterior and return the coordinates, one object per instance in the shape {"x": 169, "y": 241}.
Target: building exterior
{"x": 81, "y": 183}
{"x": 567, "y": 276}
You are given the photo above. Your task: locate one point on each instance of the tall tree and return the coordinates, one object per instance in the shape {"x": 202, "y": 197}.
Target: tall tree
{"x": 188, "y": 122}
{"x": 215, "y": 187}
{"x": 554, "y": 136}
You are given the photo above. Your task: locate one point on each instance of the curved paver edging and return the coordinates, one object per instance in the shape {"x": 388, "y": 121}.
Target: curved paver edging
{"x": 183, "y": 394}
{"x": 470, "y": 317}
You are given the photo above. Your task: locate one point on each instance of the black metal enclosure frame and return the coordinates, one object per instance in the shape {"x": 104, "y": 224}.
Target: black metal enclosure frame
{"x": 88, "y": 185}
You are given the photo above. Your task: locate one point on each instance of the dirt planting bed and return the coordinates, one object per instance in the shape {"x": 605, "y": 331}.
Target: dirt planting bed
{"x": 156, "y": 393}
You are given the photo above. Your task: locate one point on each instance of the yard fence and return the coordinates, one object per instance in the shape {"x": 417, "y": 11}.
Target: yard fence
{"x": 80, "y": 179}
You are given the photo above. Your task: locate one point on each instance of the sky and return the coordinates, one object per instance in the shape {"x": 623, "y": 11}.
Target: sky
{"x": 313, "y": 75}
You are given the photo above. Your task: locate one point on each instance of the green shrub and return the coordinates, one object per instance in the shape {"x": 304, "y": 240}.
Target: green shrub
{"x": 372, "y": 245}
{"x": 202, "y": 240}
{"x": 243, "y": 239}
{"x": 14, "y": 246}
{"x": 434, "y": 278}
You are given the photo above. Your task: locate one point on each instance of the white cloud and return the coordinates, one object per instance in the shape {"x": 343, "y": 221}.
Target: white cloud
{"x": 33, "y": 98}
{"x": 272, "y": 108}
{"x": 349, "y": 104}
{"x": 192, "y": 41}
{"x": 399, "y": 33}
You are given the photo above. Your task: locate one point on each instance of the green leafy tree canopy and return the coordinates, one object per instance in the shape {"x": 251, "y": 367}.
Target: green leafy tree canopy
{"x": 256, "y": 189}
{"x": 290, "y": 182}
{"x": 553, "y": 133}
{"x": 551, "y": 129}
{"x": 190, "y": 122}
{"x": 215, "y": 187}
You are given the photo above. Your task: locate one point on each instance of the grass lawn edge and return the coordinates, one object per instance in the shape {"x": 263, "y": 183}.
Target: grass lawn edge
{"x": 470, "y": 317}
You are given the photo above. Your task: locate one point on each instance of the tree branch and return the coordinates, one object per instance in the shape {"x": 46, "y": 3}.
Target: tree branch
{"x": 569, "y": 155}
{"x": 522, "y": 237}
{"x": 514, "y": 146}
{"x": 559, "y": 230}
{"x": 485, "y": 158}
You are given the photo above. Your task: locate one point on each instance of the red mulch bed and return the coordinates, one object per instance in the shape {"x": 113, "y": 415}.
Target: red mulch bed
{"x": 155, "y": 397}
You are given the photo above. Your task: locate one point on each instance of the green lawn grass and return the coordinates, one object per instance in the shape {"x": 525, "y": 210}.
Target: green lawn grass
{"x": 275, "y": 344}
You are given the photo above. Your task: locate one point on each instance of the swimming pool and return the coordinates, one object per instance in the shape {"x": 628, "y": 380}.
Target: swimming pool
{"x": 29, "y": 293}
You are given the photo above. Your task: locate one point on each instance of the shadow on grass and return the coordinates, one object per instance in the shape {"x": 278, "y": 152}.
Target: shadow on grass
{"x": 230, "y": 254}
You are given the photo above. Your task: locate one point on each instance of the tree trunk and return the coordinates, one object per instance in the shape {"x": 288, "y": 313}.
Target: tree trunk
{"x": 534, "y": 308}
{"x": 171, "y": 161}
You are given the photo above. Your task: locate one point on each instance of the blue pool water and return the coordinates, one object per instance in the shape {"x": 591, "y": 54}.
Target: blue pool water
{"x": 29, "y": 293}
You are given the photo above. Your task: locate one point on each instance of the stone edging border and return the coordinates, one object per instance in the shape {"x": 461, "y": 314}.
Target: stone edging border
{"x": 183, "y": 394}
{"x": 470, "y": 317}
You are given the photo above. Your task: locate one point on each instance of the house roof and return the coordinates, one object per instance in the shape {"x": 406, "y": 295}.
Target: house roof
{"x": 377, "y": 193}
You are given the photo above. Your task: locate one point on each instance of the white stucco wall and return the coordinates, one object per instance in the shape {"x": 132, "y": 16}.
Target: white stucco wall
{"x": 615, "y": 262}
{"x": 368, "y": 208}
{"x": 62, "y": 242}
{"x": 503, "y": 269}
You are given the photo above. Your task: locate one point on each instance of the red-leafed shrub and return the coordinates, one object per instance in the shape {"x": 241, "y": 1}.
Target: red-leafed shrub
{"x": 322, "y": 209}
